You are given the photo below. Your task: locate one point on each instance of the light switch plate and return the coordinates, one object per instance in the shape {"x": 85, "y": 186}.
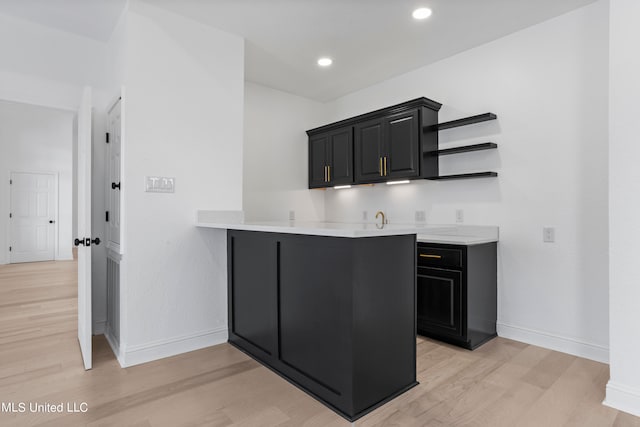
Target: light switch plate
{"x": 548, "y": 234}
{"x": 421, "y": 216}
{"x": 159, "y": 184}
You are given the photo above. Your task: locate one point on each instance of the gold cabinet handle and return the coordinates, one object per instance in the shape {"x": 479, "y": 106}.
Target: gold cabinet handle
{"x": 381, "y": 167}
{"x": 385, "y": 165}
{"x": 431, "y": 256}
{"x": 328, "y": 173}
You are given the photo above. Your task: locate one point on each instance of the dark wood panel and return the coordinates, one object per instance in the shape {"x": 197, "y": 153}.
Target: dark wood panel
{"x": 402, "y": 145}
{"x": 369, "y": 150}
{"x": 318, "y": 160}
{"x": 253, "y": 283}
{"x": 439, "y": 299}
{"x": 341, "y": 157}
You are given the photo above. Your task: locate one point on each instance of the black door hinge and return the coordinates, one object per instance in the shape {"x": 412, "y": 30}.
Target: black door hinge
{"x": 10, "y": 181}
{"x": 107, "y": 138}
{"x": 106, "y": 216}
{"x": 9, "y": 248}
{"x": 10, "y": 215}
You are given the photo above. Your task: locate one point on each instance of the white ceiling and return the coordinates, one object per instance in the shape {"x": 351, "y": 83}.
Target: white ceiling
{"x": 369, "y": 40}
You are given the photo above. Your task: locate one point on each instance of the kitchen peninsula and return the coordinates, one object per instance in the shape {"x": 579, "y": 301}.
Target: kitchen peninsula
{"x": 331, "y": 307}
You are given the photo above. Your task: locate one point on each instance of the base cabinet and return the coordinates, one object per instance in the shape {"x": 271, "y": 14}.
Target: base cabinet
{"x": 457, "y": 293}
{"x": 334, "y": 316}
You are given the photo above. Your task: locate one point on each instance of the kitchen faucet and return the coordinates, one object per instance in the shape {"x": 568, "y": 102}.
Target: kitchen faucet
{"x": 384, "y": 221}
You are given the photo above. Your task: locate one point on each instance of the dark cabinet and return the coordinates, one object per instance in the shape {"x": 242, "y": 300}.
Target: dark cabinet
{"x": 331, "y": 158}
{"x": 253, "y": 305}
{"x": 402, "y": 145}
{"x": 369, "y": 150}
{"x": 334, "y": 316}
{"x": 387, "y": 147}
{"x": 397, "y": 142}
{"x": 457, "y": 293}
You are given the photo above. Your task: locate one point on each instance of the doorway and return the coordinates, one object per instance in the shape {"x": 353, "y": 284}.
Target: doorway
{"x": 32, "y": 217}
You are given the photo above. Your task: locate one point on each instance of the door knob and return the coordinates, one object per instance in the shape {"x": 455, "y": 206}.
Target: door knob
{"x": 78, "y": 242}
{"x": 114, "y": 186}
{"x": 96, "y": 241}
{"x": 51, "y": 221}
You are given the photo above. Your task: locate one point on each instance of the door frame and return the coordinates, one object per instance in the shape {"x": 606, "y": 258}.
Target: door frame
{"x": 56, "y": 189}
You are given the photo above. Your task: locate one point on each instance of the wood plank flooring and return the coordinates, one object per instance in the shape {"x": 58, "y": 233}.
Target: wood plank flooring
{"x": 503, "y": 383}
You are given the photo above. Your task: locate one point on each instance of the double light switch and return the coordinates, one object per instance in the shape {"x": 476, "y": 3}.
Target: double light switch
{"x": 160, "y": 184}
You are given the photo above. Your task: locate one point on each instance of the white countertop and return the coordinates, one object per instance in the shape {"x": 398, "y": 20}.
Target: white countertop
{"x": 451, "y": 234}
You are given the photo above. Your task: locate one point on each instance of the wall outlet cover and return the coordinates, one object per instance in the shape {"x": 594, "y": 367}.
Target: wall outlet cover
{"x": 459, "y": 216}
{"x": 292, "y": 215}
{"x": 421, "y": 216}
{"x": 548, "y": 234}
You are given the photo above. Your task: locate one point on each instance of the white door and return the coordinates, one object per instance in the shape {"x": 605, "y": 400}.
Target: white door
{"x": 32, "y": 217}
{"x": 83, "y": 239}
{"x": 113, "y": 168}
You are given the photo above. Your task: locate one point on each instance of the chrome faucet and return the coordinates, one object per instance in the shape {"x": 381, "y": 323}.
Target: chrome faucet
{"x": 384, "y": 220}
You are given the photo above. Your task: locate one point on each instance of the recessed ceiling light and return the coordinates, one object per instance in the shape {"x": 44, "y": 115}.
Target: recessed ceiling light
{"x": 422, "y": 13}
{"x": 325, "y": 62}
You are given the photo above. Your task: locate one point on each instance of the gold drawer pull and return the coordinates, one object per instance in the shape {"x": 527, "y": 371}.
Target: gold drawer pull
{"x": 430, "y": 256}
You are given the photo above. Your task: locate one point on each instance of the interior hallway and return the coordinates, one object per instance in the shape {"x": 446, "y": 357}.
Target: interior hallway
{"x": 503, "y": 383}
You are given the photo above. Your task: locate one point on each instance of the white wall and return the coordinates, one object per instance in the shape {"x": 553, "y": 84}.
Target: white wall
{"x": 184, "y": 107}
{"x": 623, "y": 389}
{"x": 275, "y": 180}
{"x": 45, "y": 66}
{"x": 36, "y": 139}
{"x": 548, "y": 86}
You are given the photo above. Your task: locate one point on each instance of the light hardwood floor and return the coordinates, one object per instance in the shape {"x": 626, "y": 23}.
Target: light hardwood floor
{"x": 503, "y": 383}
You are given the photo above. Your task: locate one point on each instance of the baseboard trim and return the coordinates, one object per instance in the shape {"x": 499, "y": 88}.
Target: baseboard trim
{"x": 623, "y": 398}
{"x": 554, "y": 342}
{"x": 99, "y": 326}
{"x": 138, "y": 354}
{"x": 113, "y": 343}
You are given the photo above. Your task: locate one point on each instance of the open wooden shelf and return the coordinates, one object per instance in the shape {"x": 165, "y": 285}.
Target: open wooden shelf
{"x": 467, "y": 121}
{"x": 466, "y": 148}
{"x": 464, "y": 176}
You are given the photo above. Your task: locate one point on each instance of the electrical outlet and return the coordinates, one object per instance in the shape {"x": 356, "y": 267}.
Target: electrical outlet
{"x": 548, "y": 234}
{"x": 459, "y": 216}
{"x": 364, "y": 215}
{"x": 292, "y": 215}
{"x": 421, "y": 216}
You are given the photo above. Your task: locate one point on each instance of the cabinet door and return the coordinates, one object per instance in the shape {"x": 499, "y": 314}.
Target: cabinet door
{"x": 315, "y": 311}
{"x": 253, "y": 291}
{"x": 402, "y": 140}
{"x": 341, "y": 157}
{"x": 439, "y": 302}
{"x": 318, "y": 156}
{"x": 369, "y": 140}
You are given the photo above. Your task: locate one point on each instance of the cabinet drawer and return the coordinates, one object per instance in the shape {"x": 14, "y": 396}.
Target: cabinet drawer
{"x": 437, "y": 257}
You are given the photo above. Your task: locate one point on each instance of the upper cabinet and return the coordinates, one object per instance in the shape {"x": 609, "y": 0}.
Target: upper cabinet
{"x": 331, "y": 158}
{"x": 393, "y": 143}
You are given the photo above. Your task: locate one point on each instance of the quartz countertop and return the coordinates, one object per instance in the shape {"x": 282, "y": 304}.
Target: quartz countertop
{"x": 451, "y": 234}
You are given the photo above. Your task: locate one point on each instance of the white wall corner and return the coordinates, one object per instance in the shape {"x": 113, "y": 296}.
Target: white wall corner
{"x": 138, "y": 354}
{"x": 554, "y": 342}
{"x": 623, "y": 398}
{"x": 113, "y": 343}
{"x": 99, "y": 327}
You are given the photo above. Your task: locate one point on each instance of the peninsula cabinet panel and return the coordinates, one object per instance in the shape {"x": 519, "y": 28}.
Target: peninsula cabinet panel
{"x": 335, "y": 316}
{"x": 252, "y": 300}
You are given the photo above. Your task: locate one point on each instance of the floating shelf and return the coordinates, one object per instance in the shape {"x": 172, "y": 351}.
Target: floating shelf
{"x": 464, "y": 176}
{"x": 467, "y": 121}
{"x": 466, "y": 148}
